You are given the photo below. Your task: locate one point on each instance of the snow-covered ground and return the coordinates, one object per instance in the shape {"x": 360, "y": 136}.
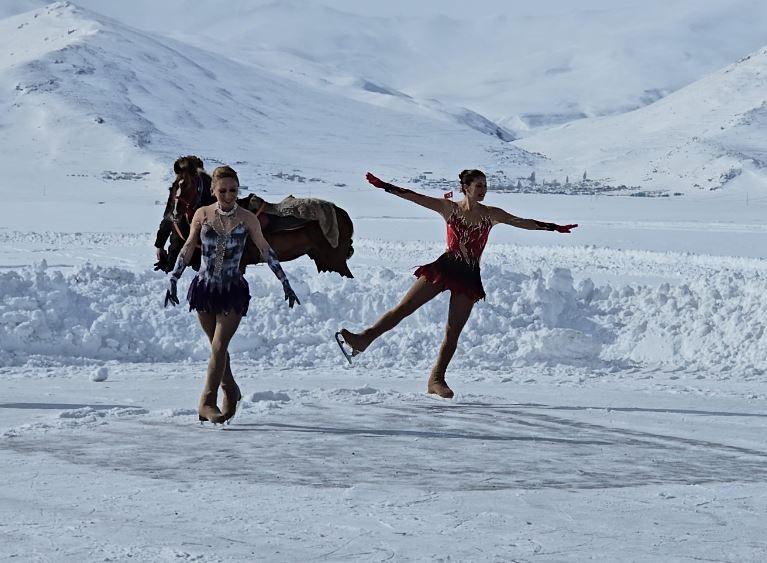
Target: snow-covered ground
{"x": 611, "y": 402}
{"x": 611, "y": 392}
{"x": 351, "y": 465}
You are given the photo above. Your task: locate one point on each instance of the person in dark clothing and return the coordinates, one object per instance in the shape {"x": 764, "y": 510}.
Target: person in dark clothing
{"x": 179, "y": 209}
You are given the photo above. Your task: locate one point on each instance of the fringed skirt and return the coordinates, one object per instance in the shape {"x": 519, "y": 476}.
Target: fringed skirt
{"x": 455, "y": 274}
{"x": 209, "y": 297}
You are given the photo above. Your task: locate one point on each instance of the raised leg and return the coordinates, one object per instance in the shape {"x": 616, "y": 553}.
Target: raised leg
{"x": 420, "y": 293}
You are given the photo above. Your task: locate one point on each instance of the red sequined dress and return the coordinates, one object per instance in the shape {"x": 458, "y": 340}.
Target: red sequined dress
{"x": 458, "y": 268}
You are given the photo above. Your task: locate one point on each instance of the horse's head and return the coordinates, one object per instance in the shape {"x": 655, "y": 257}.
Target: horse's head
{"x": 187, "y": 185}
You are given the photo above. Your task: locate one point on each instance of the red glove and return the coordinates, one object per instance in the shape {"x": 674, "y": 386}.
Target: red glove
{"x": 390, "y": 188}
{"x": 377, "y": 182}
{"x": 564, "y": 228}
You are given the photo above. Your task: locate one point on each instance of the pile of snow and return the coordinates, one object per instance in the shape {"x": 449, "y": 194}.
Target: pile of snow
{"x": 714, "y": 322}
{"x": 99, "y": 374}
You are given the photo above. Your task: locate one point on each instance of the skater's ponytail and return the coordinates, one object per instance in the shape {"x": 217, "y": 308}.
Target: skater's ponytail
{"x": 468, "y": 176}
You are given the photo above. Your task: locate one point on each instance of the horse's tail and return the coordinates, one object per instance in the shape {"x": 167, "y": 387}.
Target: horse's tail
{"x": 345, "y": 230}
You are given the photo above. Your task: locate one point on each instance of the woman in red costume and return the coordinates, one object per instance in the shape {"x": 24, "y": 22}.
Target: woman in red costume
{"x": 457, "y": 270}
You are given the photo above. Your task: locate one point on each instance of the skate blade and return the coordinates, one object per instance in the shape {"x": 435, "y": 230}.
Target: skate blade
{"x": 341, "y": 343}
{"x": 203, "y": 424}
{"x": 236, "y": 410}
{"x": 213, "y": 426}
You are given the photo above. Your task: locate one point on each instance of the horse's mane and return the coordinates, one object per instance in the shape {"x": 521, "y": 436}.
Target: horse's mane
{"x": 183, "y": 199}
{"x": 188, "y": 163}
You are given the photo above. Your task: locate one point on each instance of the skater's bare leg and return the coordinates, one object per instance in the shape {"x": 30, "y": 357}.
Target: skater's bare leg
{"x": 458, "y": 314}
{"x": 224, "y": 329}
{"x": 420, "y": 293}
{"x": 230, "y": 389}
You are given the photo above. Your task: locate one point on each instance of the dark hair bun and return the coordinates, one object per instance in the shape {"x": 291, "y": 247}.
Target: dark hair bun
{"x": 468, "y": 176}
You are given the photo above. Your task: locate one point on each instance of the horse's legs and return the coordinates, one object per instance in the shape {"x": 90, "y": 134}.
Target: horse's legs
{"x": 224, "y": 327}
{"x": 420, "y": 293}
{"x": 229, "y": 386}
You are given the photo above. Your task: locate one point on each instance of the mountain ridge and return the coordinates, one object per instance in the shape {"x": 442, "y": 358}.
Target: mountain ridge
{"x": 90, "y": 84}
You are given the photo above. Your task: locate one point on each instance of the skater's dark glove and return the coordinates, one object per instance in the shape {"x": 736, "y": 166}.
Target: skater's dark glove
{"x": 555, "y": 227}
{"x": 390, "y": 188}
{"x": 171, "y": 296}
{"x": 378, "y": 183}
{"x": 290, "y": 295}
{"x": 162, "y": 260}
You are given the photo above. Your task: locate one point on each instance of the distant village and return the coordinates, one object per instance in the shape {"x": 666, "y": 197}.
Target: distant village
{"x": 498, "y": 181}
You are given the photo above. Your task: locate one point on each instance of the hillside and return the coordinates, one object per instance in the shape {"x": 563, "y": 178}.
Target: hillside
{"x": 699, "y": 138}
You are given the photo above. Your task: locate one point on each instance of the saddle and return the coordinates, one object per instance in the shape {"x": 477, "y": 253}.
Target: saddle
{"x": 293, "y": 213}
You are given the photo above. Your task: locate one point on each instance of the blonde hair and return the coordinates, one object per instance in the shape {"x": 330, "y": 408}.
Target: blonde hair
{"x": 223, "y": 172}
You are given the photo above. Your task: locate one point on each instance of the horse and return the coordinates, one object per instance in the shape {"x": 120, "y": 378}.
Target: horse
{"x": 289, "y": 237}
{"x": 292, "y": 237}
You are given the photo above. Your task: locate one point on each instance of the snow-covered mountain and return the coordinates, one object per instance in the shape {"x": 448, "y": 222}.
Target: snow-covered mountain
{"x": 521, "y": 65}
{"x": 13, "y": 7}
{"x": 266, "y": 87}
{"x": 87, "y": 97}
{"x": 700, "y": 137}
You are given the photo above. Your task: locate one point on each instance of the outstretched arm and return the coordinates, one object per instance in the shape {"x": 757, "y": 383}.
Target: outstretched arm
{"x": 270, "y": 257}
{"x": 440, "y": 205}
{"x": 498, "y": 215}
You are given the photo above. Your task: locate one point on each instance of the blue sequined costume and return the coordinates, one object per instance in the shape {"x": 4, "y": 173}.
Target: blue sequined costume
{"x": 219, "y": 286}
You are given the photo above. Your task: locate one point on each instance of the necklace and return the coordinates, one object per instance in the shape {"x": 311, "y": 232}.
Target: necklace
{"x": 229, "y": 213}
{"x": 223, "y": 236}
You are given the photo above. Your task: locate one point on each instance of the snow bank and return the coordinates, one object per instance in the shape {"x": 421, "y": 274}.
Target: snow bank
{"x": 714, "y": 322}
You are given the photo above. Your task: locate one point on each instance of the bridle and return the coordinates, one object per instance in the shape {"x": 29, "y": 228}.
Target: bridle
{"x": 185, "y": 205}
